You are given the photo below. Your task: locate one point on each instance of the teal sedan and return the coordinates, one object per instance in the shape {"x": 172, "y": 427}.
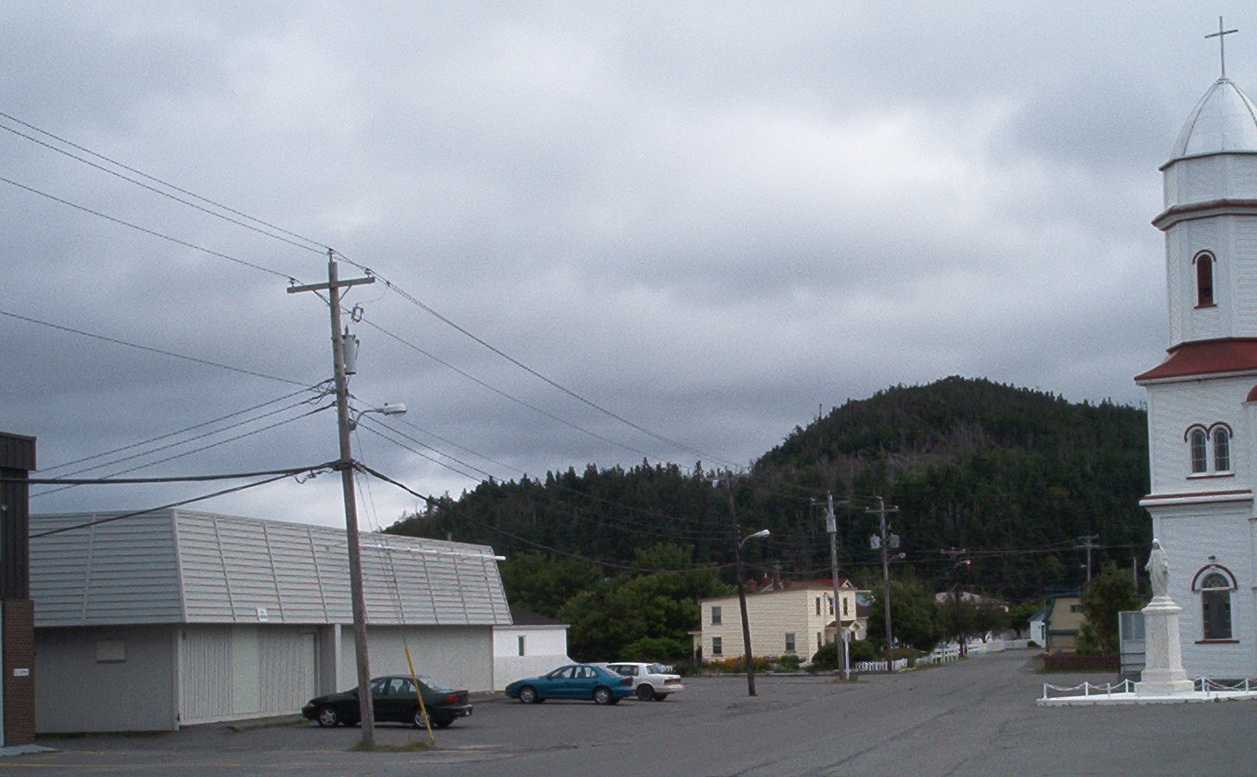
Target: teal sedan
{"x": 575, "y": 681}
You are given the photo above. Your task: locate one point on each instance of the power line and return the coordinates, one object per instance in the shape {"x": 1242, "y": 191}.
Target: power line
{"x": 157, "y": 191}
{"x": 180, "y": 503}
{"x": 195, "y": 450}
{"x": 170, "y": 479}
{"x": 177, "y": 432}
{"x": 151, "y": 232}
{"x": 150, "y": 349}
{"x": 517, "y": 538}
{"x": 194, "y": 438}
{"x": 500, "y": 392}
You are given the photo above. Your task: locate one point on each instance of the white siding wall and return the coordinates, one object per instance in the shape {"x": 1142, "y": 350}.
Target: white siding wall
{"x": 772, "y": 615}
{"x": 1223, "y": 176}
{"x": 1233, "y": 241}
{"x": 545, "y": 648}
{"x": 242, "y": 671}
{"x": 1172, "y": 407}
{"x": 77, "y": 693}
{"x": 1191, "y": 534}
{"x": 459, "y": 656}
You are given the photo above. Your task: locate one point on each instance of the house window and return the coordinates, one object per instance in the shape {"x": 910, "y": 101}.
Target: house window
{"x": 1221, "y": 449}
{"x": 790, "y": 643}
{"x": 715, "y": 616}
{"x": 830, "y": 599}
{"x": 844, "y": 608}
{"x": 1204, "y": 280}
{"x": 1215, "y": 605}
{"x": 820, "y": 641}
{"x": 521, "y": 641}
{"x": 818, "y": 605}
{"x": 716, "y": 647}
{"x": 1199, "y": 449}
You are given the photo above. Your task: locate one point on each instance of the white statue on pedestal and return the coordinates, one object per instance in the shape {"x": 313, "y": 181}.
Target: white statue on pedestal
{"x": 1158, "y": 567}
{"x": 1163, "y": 673}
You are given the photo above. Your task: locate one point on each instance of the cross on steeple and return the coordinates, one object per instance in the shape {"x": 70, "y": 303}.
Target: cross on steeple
{"x": 1221, "y": 36}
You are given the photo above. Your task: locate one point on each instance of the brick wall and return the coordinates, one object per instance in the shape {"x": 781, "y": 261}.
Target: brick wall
{"x": 19, "y": 653}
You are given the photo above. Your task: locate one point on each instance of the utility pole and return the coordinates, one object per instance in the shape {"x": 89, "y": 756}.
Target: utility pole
{"x": 746, "y": 624}
{"x": 345, "y": 464}
{"x": 954, "y": 554}
{"x": 1087, "y": 541}
{"x": 881, "y": 511}
{"x": 831, "y": 526}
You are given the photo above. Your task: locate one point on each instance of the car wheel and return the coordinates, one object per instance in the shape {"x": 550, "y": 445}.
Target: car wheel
{"x": 645, "y": 692}
{"x": 660, "y": 696}
{"x": 417, "y": 718}
{"x": 527, "y": 694}
{"x": 602, "y": 695}
{"x": 327, "y": 717}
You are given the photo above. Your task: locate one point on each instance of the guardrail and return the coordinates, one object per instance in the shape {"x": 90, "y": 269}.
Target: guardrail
{"x": 1202, "y": 684}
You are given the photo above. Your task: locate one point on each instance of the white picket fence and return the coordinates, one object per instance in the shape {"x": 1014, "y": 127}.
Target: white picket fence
{"x": 898, "y": 665}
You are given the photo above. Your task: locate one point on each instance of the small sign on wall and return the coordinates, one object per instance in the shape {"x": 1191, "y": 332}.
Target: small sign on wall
{"x": 263, "y": 615}
{"x": 21, "y": 671}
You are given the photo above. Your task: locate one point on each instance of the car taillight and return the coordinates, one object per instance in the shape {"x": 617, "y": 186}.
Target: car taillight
{"x": 627, "y": 681}
{"x": 451, "y": 699}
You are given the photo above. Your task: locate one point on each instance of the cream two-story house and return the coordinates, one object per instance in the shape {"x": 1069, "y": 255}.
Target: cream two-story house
{"x": 786, "y": 619}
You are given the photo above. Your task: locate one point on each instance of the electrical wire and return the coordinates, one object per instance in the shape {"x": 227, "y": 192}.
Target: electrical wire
{"x": 195, "y": 450}
{"x": 151, "y": 349}
{"x": 151, "y": 232}
{"x": 179, "y": 503}
{"x": 178, "y": 432}
{"x": 155, "y": 190}
{"x": 170, "y": 479}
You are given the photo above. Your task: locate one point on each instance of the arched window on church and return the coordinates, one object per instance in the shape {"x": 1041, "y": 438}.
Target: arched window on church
{"x": 1204, "y": 279}
{"x": 1221, "y": 449}
{"x": 1200, "y": 450}
{"x": 1215, "y": 587}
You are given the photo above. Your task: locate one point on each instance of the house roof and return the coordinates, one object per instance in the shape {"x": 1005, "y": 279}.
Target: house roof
{"x": 179, "y": 566}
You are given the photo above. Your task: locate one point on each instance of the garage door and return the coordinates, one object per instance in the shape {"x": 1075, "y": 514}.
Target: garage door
{"x": 233, "y": 672}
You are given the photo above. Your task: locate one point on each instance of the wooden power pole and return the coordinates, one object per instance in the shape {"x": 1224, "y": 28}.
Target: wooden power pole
{"x": 881, "y": 511}
{"x": 346, "y": 466}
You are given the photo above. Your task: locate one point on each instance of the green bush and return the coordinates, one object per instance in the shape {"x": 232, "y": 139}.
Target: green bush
{"x": 788, "y": 664}
{"x": 826, "y": 658}
{"x": 865, "y": 650}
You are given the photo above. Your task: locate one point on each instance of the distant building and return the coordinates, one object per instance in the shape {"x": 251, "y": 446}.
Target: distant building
{"x": 180, "y": 617}
{"x": 531, "y": 645}
{"x": 786, "y": 618}
{"x": 1063, "y": 620}
{"x": 1037, "y": 627}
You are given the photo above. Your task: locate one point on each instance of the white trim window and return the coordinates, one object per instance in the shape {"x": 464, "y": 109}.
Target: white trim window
{"x": 1214, "y": 584}
{"x": 1221, "y": 448}
{"x": 1209, "y": 449}
{"x": 1199, "y": 443}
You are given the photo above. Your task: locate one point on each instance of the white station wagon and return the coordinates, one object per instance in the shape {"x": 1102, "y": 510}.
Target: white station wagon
{"x": 650, "y": 681}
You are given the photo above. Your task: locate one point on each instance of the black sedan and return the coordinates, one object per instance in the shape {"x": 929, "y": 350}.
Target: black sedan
{"x": 394, "y": 700}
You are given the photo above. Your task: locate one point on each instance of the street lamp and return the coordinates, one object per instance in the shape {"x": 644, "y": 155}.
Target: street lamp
{"x": 746, "y": 624}
{"x": 388, "y": 408}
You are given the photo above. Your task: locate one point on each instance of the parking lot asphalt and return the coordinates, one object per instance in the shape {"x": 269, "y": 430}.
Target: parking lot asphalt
{"x": 973, "y": 718}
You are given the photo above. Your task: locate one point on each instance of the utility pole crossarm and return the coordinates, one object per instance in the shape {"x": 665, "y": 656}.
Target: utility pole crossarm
{"x": 331, "y": 284}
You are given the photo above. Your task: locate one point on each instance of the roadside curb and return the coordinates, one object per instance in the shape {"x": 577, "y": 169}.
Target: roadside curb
{"x": 274, "y": 721}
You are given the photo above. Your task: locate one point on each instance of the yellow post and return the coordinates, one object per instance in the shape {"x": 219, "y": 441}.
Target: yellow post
{"x": 423, "y": 708}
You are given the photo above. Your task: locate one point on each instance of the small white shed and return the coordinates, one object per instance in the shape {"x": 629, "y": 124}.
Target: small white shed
{"x": 178, "y": 617}
{"x": 533, "y": 644}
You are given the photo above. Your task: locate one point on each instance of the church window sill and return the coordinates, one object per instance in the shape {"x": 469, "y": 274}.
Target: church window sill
{"x": 1198, "y": 307}
{"x": 1206, "y": 475}
{"x": 1217, "y": 642}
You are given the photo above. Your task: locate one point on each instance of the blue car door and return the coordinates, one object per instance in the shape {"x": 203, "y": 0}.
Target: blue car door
{"x": 559, "y": 683}
{"x": 584, "y": 682}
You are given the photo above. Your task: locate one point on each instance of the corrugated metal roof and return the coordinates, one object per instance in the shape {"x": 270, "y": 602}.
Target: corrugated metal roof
{"x": 1224, "y": 120}
{"x": 178, "y": 566}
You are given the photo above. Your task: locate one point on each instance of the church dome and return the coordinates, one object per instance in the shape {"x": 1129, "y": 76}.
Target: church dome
{"x": 1224, "y": 121}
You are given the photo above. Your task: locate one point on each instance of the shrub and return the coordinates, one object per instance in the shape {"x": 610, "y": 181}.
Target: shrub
{"x": 788, "y": 664}
{"x": 865, "y": 650}
{"x": 734, "y": 664}
{"x": 826, "y": 658}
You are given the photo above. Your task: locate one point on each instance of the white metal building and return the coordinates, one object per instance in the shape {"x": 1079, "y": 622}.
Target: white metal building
{"x": 180, "y": 617}
{"x": 533, "y": 644}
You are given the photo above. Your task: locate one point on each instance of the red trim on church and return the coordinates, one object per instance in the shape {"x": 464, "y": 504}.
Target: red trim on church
{"x": 1206, "y": 357}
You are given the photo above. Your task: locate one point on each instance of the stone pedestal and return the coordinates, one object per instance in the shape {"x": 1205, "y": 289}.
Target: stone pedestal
{"x": 1163, "y": 673}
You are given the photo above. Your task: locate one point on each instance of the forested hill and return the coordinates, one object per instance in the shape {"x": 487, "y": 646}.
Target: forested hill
{"x": 1011, "y": 474}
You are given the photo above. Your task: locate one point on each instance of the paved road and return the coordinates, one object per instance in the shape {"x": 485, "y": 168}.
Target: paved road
{"x": 973, "y": 719}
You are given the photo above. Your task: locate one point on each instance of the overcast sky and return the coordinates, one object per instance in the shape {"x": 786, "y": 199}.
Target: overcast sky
{"x": 709, "y": 220}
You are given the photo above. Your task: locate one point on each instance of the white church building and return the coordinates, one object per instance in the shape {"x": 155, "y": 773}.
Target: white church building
{"x": 1202, "y": 400}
